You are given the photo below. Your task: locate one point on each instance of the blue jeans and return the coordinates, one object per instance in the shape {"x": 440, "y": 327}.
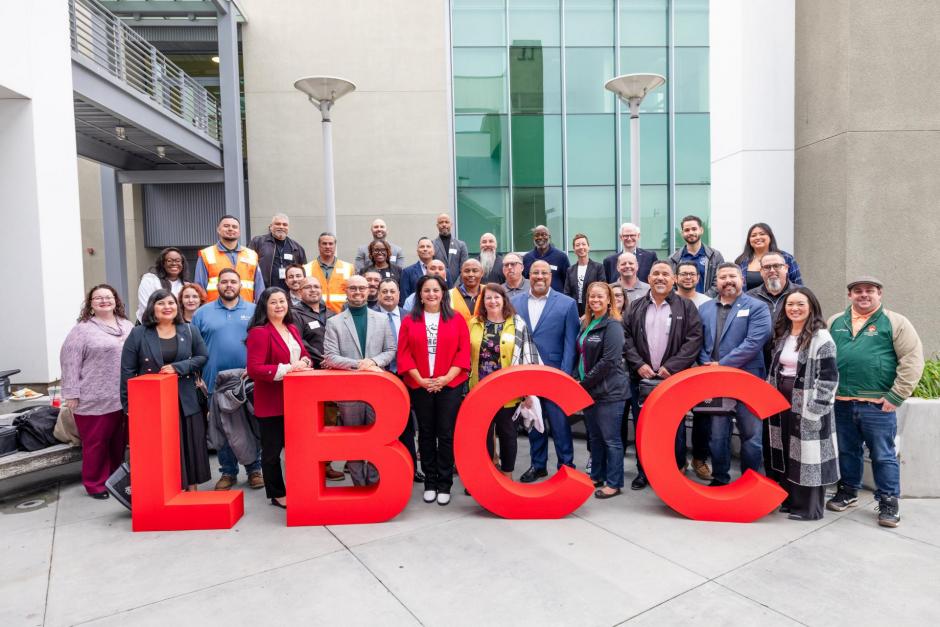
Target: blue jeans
{"x": 858, "y": 422}
{"x": 606, "y": 446}
{"x": 228, "y": 463}
{"x": 749, "y": 428}
{"x": 561, "y": 434}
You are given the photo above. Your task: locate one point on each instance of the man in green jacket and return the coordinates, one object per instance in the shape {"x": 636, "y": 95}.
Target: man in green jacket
{"x": 880, "y": 361}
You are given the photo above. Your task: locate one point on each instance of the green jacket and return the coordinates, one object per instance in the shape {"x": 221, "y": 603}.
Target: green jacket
{"x": 885, "y": 359}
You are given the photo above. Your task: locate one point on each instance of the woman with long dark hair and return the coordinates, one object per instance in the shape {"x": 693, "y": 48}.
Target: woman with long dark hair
{"x": 164, "y": 343}
{"x": 91, "y": 373}
{"x": 379, "y": 254}
{"x": 760, "y": 241}
{"x": 803, "y": 451}
{"x": 169, "y": 272}
{"x": 434, "y": 359}
{"x": 274, "y": 349}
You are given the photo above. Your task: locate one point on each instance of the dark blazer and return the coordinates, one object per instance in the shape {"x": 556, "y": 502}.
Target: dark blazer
{"x": 602, "y": 357}
{"x": 312, "y": 327}
{"x": 453, "y": 349}
{"x": 409, "y": 280}
{"x": 264, "y": 246}
{"x": 742, "y": 340}
{"x": 452, "y": 261}
{"x": 267, "y": 349}
{"x": 685, "y": 335}
{"x": 495, "y": 275}
{"x": 556, "y": 334}
{"x": 645, "y": 258}
{"x": 594, "y": 272}
{"x": 142, "y": 355}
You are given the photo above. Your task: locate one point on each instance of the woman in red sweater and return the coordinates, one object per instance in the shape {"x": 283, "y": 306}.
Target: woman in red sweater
{"x": 434, "y": 359}
{"x": 274, "y": 349}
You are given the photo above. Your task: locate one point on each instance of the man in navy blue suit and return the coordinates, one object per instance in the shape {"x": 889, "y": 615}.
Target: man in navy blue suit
{"x": 736, "y": 328}
{"x": 630, "y": 238}
{"x": 411, "y": 274}
{"x": 552, "y": 319}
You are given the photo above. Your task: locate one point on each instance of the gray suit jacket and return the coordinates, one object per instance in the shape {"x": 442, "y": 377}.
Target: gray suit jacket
{"x": 341, "y": 350}
{"x": 453, "y": 261}
{"x": 362, "y": 261}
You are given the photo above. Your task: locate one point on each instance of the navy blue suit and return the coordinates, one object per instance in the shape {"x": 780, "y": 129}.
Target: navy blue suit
{"x": 409, "y": 280}
{"x": 740, "y": 345}
{"x": 644, "y": 258}
{"x": 555, "y": 336}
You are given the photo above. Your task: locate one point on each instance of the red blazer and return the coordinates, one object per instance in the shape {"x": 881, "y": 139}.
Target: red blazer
{"x": 453, "y": 349}
{"x": 266, "y": 349}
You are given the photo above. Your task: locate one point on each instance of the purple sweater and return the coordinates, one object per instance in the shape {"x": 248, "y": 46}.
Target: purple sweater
{"x": 91, "y": 366}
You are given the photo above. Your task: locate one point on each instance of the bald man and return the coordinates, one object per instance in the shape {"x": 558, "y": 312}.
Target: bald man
{"x": 380, "y": 232}
{"x": 449, "y": 249}
{"x": 463, "y": 298}
{"x": 491, "y": 260}
{"x": 435, "y": 267}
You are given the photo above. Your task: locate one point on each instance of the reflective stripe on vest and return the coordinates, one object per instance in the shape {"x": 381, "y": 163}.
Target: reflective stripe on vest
{"x": 246, "y": 266}
{"x": 334, "y": 289}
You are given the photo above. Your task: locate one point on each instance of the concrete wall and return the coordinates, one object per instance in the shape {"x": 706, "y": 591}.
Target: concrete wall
{"x": 391, "y": 137}
{"x": 868, "y": 150}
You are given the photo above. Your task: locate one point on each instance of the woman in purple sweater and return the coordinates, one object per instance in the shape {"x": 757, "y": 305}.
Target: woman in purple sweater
{"x": 91, "y": 385}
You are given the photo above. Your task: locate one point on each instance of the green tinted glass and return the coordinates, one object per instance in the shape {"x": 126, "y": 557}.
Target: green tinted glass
{"x": 654, "y": 215}
{"x": 691, "y": 26}
{"x": 654, "y": 149}
{"x": 643, "y": 23}
{"x": 586, "y": 71}
{"x": 479, "y": 146}
{"x": 534, "y": 206}
{"x": 534, "y": 22}
{"x": 535, "y": 79}
{"x": 592, "y": 211}
{"x": 479, "y": 23}
{"x": 693, "y": 156}
{"x": 590, "y": 149}
{"x": 691, "y": 78}
{"x": 589, "y": 23}
{"x": 536, "y": 150}
{"x": 480, "y": 80}
{"x": 693, "y": 200}
{"x": 482, "y": 211}
{"x": 646, "y": 61}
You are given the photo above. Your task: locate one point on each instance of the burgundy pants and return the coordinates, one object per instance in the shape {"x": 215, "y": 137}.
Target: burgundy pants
{"x": 104, "y": 438}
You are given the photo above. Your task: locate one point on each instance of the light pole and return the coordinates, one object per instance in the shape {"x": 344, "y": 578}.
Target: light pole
{"x": 632, "y": 88}
{"x": 323, "y": 91}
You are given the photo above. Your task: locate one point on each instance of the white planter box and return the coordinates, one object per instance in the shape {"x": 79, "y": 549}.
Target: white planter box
{"x": 918, "y": 445}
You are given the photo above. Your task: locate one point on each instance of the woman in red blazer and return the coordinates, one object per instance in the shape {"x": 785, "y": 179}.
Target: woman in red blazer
{"x": 274, "y": 349}
{"x": 434, "y": 359}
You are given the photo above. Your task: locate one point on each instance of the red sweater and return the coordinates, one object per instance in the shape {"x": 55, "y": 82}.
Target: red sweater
{"x": 453, "y": 349}
{"x": 266, "y": 349}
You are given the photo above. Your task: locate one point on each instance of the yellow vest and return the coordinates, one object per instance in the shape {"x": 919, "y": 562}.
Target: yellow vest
{"x": 459, "y": 305}
{"x": 216, "y": 261}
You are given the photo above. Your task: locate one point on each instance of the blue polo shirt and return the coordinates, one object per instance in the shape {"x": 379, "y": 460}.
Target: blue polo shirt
{"x": 224, "y": 331}
{"x": 699, "y": 260}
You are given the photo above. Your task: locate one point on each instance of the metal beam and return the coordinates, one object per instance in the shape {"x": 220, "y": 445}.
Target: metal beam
{"x": 108, "y": 155}
{"x": 109, "y": 95}
{"x": 145, "y": 8}
{"x": 115, "y": 248}
{"x": 231, "y": 118}
{"x": 158, "y": 177}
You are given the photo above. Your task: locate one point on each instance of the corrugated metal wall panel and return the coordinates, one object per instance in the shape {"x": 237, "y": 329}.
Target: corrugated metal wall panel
{"x": 155, "y": 34}
{"x": 183, "y": 215}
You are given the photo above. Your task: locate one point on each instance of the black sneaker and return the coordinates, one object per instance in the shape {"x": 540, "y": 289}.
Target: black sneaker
{"x": 888, "y": 515}
{"x": 716, "y": 484}
{"x": 843, "y": 500}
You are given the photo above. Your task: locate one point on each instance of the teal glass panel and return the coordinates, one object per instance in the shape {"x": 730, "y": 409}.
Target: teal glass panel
{"x": 654, "y": 149}
{"x": 592, "y": 211}
{"x": 536, "y": 150}
{"x": 691, "y": 25}
{"x": 589, "y": 23}
{"x": 480, "y": 80}
{"x": 647, "y": 61}
{"x": 693, "y": 200}
{"x": 693, "y": 149}
{"x": 654, "y": 216}
{"x": 586, "y": 71}
{"x": 691, "y": 78}
{"x": 644, "y": 23}
{"x": 590, "y": 149}
{"x": 482, "y": 211}
{"x": 479, "y": 23}
{"x": 535, "y": 79}
{"x": 533, "y": 206}
{"x": 479, "y": 146}
{"x": 534, "y": 22}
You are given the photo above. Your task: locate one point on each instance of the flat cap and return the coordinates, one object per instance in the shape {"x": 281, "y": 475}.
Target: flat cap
{"x": 870, "y": 280}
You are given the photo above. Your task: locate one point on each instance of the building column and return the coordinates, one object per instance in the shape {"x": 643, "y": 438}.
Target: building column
{"x": 115, "y": 246}
{"x": 232, "y": 158}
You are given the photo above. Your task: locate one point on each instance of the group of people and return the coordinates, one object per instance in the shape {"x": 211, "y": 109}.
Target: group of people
{"x": 449, "y": 320}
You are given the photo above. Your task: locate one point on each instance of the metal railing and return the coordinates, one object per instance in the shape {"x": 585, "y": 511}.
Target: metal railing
{"x": 102, "y": 38}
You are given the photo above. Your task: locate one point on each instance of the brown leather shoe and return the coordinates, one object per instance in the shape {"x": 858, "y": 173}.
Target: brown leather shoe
{"x": 225, "y": 482}
{"x": 332, "y": 475}
{"x": 702, "y": 471}
{"x": 255, "y": 480}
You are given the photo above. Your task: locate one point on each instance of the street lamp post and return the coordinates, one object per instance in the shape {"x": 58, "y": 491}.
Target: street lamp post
{"x": 323, "y": 91}
{"x": 632, "y": 88}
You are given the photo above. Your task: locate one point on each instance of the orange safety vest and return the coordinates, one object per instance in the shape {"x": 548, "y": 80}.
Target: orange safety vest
{"x": 334, "y": 289}
{"x": 216, "y": 261}
{"x": 458, "y": 304}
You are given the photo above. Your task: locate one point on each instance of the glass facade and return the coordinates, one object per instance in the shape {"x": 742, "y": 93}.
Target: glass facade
{"x": 538, "y": 140}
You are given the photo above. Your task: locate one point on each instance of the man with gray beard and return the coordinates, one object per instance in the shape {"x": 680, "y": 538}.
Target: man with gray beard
{"x": 491, "y": 260}
{"x": 773, "y": 269}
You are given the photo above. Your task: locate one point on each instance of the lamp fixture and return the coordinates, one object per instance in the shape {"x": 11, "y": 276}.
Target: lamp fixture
{"x": 120, "y": 132}
{"x": 161, "y": 152}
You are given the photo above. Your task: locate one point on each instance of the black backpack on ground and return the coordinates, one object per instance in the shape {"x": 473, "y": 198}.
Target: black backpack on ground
{"x": 34, "y": 428}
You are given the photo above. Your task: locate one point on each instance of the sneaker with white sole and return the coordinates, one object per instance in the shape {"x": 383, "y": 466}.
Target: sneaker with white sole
{"x": 430, "y": 495}
{"x": 844, "y": 499}
{"x": 443, "y": 498}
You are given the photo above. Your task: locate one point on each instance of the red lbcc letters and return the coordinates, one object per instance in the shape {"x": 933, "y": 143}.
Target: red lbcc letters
{"x": 160, "y": 505}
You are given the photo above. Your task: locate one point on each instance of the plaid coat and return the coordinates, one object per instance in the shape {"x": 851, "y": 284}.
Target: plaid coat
{"x": 810, "y": 447}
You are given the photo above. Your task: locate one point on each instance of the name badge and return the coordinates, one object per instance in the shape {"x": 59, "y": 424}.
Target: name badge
{"x": 453, "y": 251}
{"x": 314, "y": 324}
{"x": 288, "y": 256}
{"x": 743, "y": 313}
{"x": 393, "y": 258}
{"x": 554, "y": 268}
{"x": 281, "y": 273}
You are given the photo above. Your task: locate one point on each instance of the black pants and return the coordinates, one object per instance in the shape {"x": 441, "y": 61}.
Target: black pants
{"x": 701, "y": 436}
{"x": 437, "y": 416}
{"x": 272, "y": 443}
{"x": 504, "y": 428}
{"x": 407, "y": 438}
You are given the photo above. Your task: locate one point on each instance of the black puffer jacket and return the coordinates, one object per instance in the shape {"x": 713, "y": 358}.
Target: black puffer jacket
{"x": 602, "y": 355}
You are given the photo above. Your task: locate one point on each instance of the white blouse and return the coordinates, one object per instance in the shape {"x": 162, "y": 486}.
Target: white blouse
{"x": 789, "y": 357}
{"x": 150, "y": 283}
{"x": 294, "y": 349}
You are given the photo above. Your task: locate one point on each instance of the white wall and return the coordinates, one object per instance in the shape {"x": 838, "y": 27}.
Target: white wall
{"x": 39, "y": 207}
{"x": 752, "y": 111}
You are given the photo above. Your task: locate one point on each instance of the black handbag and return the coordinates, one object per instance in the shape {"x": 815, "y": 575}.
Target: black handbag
{"x": 7, "y": 440}
{"x": 119, "y": 484}
{"x": 715, "y": 406}
{"x": 646, "y": 388}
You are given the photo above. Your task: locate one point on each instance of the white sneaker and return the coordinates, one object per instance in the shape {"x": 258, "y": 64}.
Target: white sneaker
{"x": 430, "y": 495}
{"x": 443, "y": 498}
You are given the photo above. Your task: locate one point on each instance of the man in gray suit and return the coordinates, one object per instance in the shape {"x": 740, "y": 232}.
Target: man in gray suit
{"x": 379, "y": 231}
{"x": 358, "y": 338}
{"x": 449, "y": 249}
